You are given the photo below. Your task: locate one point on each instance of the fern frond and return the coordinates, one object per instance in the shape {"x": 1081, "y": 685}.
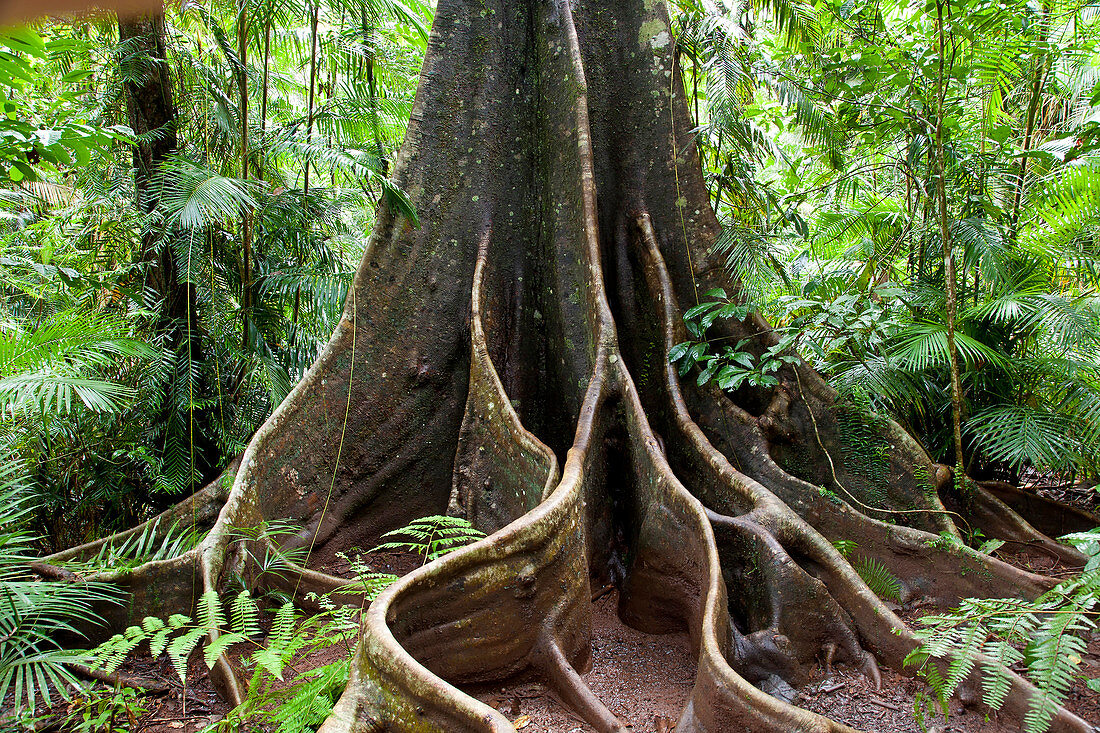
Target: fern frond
{"x": 879, "y": 579}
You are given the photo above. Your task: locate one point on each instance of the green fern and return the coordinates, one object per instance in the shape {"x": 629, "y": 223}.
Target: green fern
{"x": 845, "y": 547}
{"x": 367, "y": 581}
{"x": 308, "y": 699}
{"x": 432, "y": 536}
{"x": 61, "y": 362}
{"x": 139, "y": 548}
{"x": 33, "y": 614}
{"x": 879, "y": 579}
{"x": 1048, "y": 636}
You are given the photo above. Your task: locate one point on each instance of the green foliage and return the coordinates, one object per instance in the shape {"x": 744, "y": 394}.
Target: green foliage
{"x": 432, "y": 537}
{"x": 845, "y": 547}
{"x": 48, "y": 368}
{"x": 99, "y": 710}
{"x": 879, "y": 579}
{"x": 831, "y": 218}
{"x": 1047, "y": 637}
{"x": 368, "y": 581}
{"x": 877, "y": 576}
{"x": 37, "y": 137}
{"x": 301, "y": 701}
{"x": 146, "y": 545}
{"x": 728, "y": 366}
{"x": 136, "y": 356}
{"x": 180, "y": 635}
{"x": 34, "y": 614}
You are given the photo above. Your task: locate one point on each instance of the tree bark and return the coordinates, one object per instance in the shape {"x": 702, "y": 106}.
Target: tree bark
{"x": 152, "y": 116}
{"x": 151, "y": 110}
{"x": 508, "y": 362}
{"x": 949, "y": 274}
{"x": 247, "y": 286}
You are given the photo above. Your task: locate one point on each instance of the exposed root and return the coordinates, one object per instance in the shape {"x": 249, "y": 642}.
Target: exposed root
{"x": 1046, "y": 515}
{"x": 571, "y": 688}
{"x": 119, "y": 680}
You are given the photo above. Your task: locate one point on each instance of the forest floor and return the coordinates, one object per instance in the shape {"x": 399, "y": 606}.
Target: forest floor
{"x": 644, "y": 679}
{"x": 1082, "y": 495}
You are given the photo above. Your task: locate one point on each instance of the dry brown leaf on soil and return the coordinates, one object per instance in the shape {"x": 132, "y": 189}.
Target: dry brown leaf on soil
{"x": 522, "y": 722}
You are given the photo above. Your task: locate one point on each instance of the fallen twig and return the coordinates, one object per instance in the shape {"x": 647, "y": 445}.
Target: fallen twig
{"x": 883, "y": 704}
{"x": 117, "y": 680}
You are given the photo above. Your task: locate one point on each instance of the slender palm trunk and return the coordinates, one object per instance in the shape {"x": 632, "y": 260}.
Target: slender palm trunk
{"x": 309, "y": 136}
{"x": 372, "y": 89}
{"x": 948, "y": 253}
{"x": 267, "y": 70}
{"x": 246, "y": 216}
{"x": 1039, "y": 79}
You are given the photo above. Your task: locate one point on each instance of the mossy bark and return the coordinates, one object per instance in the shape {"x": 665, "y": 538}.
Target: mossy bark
{"x": 507, "y": 361}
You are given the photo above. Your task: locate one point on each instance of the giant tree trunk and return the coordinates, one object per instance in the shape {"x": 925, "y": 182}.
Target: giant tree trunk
{"x": 508, "y": 362}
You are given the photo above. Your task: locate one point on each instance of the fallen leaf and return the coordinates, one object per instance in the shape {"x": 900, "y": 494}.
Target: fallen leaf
{"x": 175, "y": 724}
{"x": 522, "y": 722}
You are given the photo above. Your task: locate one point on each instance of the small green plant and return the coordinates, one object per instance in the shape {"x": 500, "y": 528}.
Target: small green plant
{"x": 877, "y": 576}
{"x": 1089, "y": 545}
{"x": 367, "y": 581}
{"x": 33, "y": 614}
{"x": 728, "y": 366}
{"x": 879, "y": 579}
{"x": 301, "y": 702}
{"x": 268, "y": 536}
{"x": 946, "y": 541}
{"x": 845, "y": 547}
{"x": 105, "y": 710}
{"x": 293, "y": 708}
{"x": 432, "y": 537}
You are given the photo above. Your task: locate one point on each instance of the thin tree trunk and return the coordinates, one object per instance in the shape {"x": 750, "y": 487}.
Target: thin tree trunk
{"x": 309, "y": 137}
{"x": 1038, "y": 82}
{"x": 948, "y": 253}
{"x": 267, "y": 65}
{"x": 152, "y": 116}
{"x": 372, "y": 89}
{"x": 246, "y": 216}
{"x": 312, "y": 91}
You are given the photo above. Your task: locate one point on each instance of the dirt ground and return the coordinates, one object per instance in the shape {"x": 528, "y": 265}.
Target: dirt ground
{"x": 644, "y": 679}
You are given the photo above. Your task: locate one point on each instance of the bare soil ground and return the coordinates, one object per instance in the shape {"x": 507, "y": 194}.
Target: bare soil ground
{"x": 644, "y": 679}
{"x": 1081, "y": 494}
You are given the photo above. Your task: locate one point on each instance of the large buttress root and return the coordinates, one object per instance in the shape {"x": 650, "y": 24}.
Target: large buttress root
{"x": 508, "y": 362}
